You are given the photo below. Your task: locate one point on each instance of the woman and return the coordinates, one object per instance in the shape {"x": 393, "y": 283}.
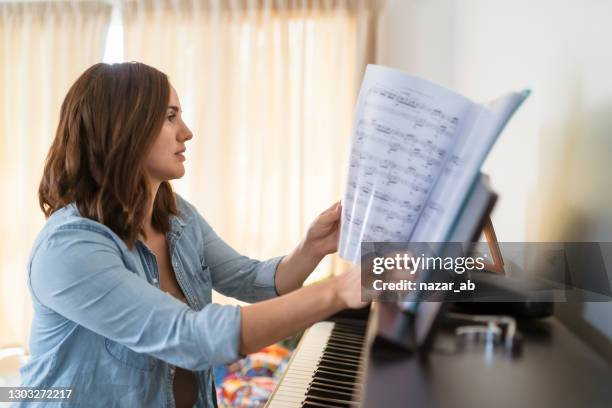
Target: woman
{"x": 122, "y": 272}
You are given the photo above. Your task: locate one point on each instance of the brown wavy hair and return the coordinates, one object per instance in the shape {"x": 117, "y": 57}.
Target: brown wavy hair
{"x": 108, "y": 121}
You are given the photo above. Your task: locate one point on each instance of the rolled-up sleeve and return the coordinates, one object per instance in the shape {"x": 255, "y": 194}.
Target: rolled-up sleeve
{"x": 80, "y": 274}
{"x": 236, "y": 275}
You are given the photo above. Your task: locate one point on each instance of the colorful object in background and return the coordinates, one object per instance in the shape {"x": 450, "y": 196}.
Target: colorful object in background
{"x": 250, "y": 382}
{"x": 265, "y": 362}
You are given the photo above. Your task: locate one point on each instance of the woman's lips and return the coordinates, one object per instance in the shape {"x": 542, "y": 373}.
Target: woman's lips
{"x": 181, "y": 156}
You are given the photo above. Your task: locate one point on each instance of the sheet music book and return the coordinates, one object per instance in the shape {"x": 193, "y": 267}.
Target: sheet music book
{"x": 416, "y": 151}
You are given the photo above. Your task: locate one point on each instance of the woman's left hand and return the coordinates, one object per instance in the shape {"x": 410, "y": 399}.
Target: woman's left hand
{"x": 322, "y": 236}
{"x": 321, "y": 239}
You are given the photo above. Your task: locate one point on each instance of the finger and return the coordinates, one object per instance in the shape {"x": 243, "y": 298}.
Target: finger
{"x": 332, "y": 236}
{"x": 333, "y": 208}
{"x": 330, "y": 216}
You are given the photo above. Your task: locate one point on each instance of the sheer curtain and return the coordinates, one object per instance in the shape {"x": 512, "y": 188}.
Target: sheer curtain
{"x": 268, "y": 88}
{"x": 44, "y": 46}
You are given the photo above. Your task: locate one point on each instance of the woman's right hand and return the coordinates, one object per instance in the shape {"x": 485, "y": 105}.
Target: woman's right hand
{"x": 347, "y": 288}
{"x": 272, "y": 320}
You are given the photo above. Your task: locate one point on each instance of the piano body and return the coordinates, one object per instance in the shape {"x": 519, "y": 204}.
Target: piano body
{"x": 383, "y": 356}
{"x": 348, "y": 362}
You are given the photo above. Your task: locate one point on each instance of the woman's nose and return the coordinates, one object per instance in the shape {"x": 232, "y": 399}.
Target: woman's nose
{"x": 186, "y": 134}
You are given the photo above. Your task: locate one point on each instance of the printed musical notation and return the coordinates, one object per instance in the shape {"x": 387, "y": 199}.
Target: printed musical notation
{"x": 403, "y": 132}
{"x": 416, "y": 150}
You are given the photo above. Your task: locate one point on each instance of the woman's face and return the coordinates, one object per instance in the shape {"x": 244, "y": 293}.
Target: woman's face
{"x": 165, "y": 160}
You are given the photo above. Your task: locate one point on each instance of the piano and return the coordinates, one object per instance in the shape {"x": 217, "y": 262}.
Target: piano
{"x": 348, "y": 361}
{"x": 382, "y": 356}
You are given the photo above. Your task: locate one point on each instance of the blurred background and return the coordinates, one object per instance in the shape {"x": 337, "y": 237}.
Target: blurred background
{"x": 268, "y": 88}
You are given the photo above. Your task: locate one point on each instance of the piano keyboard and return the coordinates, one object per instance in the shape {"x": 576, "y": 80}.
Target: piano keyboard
{"x": 326, "y": 368}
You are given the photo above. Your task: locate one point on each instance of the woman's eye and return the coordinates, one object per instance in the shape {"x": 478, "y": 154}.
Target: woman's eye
{"x": 171, "y": 118}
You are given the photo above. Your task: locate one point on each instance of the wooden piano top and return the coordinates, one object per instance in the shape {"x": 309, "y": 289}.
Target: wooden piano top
{"x": 554, "y": 369}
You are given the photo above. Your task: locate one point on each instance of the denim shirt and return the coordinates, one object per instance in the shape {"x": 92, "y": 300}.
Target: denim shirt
{"x": 103, "y": 327}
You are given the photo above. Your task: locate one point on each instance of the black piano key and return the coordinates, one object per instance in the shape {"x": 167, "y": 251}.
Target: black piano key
{"x": 334, "y": 385}
{"x": 349, "y": 365}
{"x": 332, "y": 381}
{"x": 312, "y": 399}
{"x": 345, "y": 336}
{"x": 347, "y": 391}
{"x": 315, "y": 404}
{"x": 345, "y": 346}
{"x": 328, "y": 352}
{"x": 348, "y": 334}
{"x": 348, "y": 329}
{"x": 351, "y": 336}
{"x": 337, "y": 369}
{"x": 357, "y": 341}
{"x": 334, "y": 376}
{"x": 341, "y": 356}
{"x": 340, "y": 349}
{"x": 335, "y": 395}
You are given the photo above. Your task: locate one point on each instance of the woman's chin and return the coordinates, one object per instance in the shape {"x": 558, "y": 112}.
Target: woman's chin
{"x": 174, "y": 174}
{"x": 177, "y": 175}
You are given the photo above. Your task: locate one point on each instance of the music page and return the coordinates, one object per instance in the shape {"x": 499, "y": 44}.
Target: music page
{"x": 403, "y": 133}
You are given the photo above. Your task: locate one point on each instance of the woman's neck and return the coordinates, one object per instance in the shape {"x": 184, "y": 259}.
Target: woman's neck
{"x": 148, "y": 221}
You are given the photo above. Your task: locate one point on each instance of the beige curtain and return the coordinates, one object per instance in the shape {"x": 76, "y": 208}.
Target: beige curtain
{"x": 43, "y": 49}
{"x": 268, "y": 88}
